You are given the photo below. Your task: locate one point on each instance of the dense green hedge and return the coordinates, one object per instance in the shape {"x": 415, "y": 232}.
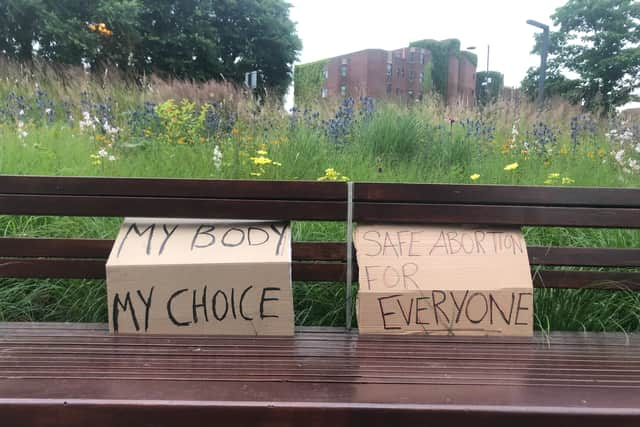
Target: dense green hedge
{"x": 308, "y": 81}
{"x": 441, "y": 50}
{"x": 489, "y": 93}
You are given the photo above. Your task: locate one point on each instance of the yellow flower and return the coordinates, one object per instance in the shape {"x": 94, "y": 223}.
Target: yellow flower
{"x": 262, "y": 152}
{"x": 591, "y": 154}
{"x": 92, "y": 27}
{"x": 277, "y": 164}
{"x": 548, "y": 181}
{"x": 564, "y": 151}
{"x": 181, "y": 140}
{"x": 601, "y": 152}
{"x": 511, "y": 167}
{"x": 255, "y": 174}
{"x": 475, "y": 176}
{"x": 235, "y": 131}
{"x": 553, "y": 175}
{"x": 261, "y": 160}
{"x": 567, "y": 180}
{"x": 95, "y": 159}
{"x": 330, "y": 174}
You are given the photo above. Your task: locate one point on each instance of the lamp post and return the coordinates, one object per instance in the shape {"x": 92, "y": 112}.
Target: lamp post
{"x": 543, "y": 58}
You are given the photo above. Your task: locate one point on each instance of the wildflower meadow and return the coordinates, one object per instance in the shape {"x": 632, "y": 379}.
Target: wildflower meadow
{"x": 65, "y": 122}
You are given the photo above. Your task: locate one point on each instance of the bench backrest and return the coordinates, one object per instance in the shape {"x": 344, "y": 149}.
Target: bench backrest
{"x": 320, "y": 201}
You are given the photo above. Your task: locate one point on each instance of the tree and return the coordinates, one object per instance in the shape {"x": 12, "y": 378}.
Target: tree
{"x": 599, "y": 41}
{"x": 188, "y": 39}
{"x": 555, "y": 85}
{"x": 19, "y": 21}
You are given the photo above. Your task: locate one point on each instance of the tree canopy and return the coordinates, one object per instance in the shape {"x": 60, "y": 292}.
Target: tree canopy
{"x": 599, "y": 42}
{"x": 191, "y": 39}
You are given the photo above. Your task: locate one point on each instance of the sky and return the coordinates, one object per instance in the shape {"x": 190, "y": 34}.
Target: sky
{"x": 334, "y": 27}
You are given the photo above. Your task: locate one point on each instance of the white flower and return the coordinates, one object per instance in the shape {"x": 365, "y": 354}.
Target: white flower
{"x": 112, "y": 158}
{"x": 217, "y": 157}
{"x": 103, "y": 153}
{"x": 619, "y": 156}
{"x": 21, "y": 113}
{"x": 22, "y": 134}
{"x": 634, "y": 165}
{"x": 48, "y": 111}
{"x": 110, "y": 130}
{"x": 637, "y": 148}
{"x": 86, "y": 123}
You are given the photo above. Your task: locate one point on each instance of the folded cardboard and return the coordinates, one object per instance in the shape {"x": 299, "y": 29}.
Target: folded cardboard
{"x": 200, "y": 277}
{"x": 443, "y": 280}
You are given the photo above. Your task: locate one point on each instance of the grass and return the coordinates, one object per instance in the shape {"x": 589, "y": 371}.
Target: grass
{"x": 392, "y": 144}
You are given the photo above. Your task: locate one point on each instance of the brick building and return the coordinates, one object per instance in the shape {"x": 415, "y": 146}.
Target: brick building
{"x": 396, "y": 74}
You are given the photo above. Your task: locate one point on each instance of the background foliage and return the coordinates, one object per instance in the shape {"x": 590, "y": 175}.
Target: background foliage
{"x": 187, "y": 39}
{"x": 599, "y": 41}
{"x": 308, "y": 82}
{"x": 486, "y": 91}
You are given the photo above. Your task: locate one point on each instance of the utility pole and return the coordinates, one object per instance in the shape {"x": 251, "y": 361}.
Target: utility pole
{"x": 543, "y": 59}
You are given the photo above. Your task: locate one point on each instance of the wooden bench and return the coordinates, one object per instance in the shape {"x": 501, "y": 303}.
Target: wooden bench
{"x": 79, "y": 375}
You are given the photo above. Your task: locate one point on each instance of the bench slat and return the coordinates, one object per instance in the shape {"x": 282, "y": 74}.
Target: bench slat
{"x": 154, "y": 187}
{"x": 330, "y": 191}
{"x": 497, "y": 194}
{"x": 29, "y": 247}
{"x": 318, "y": 210}
{"x": 314, "y": 251}
{"x": 312, "y": 272}
{"x": 497, "y": 215}
{"x": 171, "y": 207}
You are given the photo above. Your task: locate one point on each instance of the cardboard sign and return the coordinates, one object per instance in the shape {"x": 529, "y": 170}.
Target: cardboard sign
{"x": 443, "y": 280}
{"x": 201, "y": 277}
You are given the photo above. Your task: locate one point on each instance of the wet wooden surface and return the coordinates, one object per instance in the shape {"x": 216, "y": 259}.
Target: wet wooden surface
{"x": 77, "y": 374}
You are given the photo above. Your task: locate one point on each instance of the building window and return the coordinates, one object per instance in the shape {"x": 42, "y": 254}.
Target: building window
{"x": 389, "y": 69}
{"x": 325, "y": 73}
{"x": 343, "y": 71}
{"x": 412, "y": 57}
{"x": 343, "y": 90}
{"x": 397, "y": 91}
{"x": 422, "y": 58}
{"x": 412, "y": 75}
{"x": 402, "y": 72}
{"x": 345, "y": 61}
{"x": 421, "y": 77}
{"x": 389, "y": 90}
{"x": 325, "y": 92}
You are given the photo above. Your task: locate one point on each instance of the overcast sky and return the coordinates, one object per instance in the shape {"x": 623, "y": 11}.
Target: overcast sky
{"x": 334, "y": 27}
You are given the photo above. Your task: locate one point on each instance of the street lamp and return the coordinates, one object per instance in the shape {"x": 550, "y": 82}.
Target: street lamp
{"x": 543, "y": 58}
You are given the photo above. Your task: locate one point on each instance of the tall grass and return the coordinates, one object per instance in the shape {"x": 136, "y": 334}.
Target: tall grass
{"x": 424, "y": 143}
